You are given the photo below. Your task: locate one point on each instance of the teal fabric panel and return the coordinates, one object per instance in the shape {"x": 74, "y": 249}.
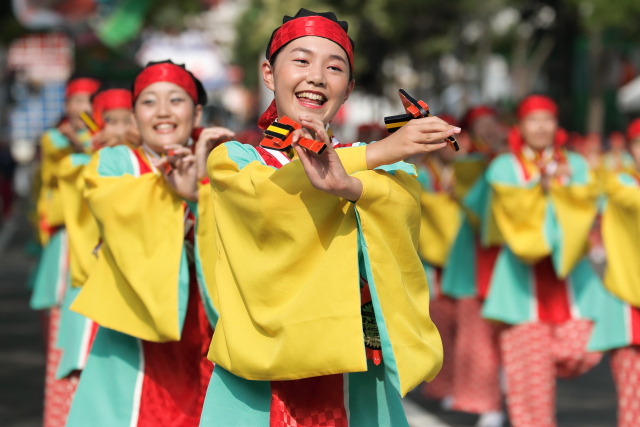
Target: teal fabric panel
{"x": 510, "y": 299}
{"x": 46, "y": 291}
{"x": 234, "y": 401}
{"x": 115, "y": 161}
{"x": 373, "y": 401}
{"x": 106, "y": 392}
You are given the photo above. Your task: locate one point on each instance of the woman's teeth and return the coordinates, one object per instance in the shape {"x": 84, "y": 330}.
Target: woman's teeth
{"x": 165, "y": 127}
{"x": 315, "y": 98}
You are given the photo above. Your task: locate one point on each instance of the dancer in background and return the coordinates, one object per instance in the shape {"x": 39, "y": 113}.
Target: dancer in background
{"x": 147, "y": 365}
{"x": 617, "y": 158}
{"x": 440, "y": 222}
{"x": 111, "y": 109}
{"x": 476, "y": 362}
{"x": 70, "y": 136}
{"x": 543, "y": 203}
{"x": 618, "y": 325}
{"x": 341, "y": 328}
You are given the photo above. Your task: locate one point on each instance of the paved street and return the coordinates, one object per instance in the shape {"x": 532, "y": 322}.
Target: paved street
{"x": 586, "y": 402}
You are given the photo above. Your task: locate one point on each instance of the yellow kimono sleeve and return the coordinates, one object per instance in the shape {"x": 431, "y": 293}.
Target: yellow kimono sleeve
{"x": 399, "y": 283}
{"x": 51, "y": 156}
{"x": 81, "y": 226}
{"x": 206, "y": 237}
{"x": 519, "y": 214}
{"x": 575, "y": 211}
{"x": 286, "y": 276}
{"x": 621, "y": 235}
{"x": 439, "y": 225}
{"x": 134, "y": 286}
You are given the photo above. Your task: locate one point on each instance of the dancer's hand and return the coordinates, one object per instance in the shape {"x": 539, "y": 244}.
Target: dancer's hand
{"x": 325, "y": 171}
{"x": 181, "y": 175}
{"x": 208, "y": 140}
{"x": 417, "y": 136}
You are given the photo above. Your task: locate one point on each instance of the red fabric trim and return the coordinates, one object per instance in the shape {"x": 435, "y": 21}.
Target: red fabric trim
{"x": 81, "y": 85}
{"x": 310, "y": 402}
{"x": 92, "y": 337}
{"x": 485, "y": 262}
{"x": 165, "y": 72}
{"x": 268, "y": 158}
{"x": 635, "y": 325}
{"x": 551, "y": 294}
{"x": 437, "y": 287}
{"x": 312, "y": 26}
{"x": 177, "y": 374}
{"x": 144, "y": 167}
{"x": 269, "y": 116}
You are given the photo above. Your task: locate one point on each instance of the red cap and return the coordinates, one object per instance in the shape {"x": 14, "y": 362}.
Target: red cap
{"x": 475, "y": 113}
{"x": 449, "y": 119}
{"x": 112, "y": 99}
{"x": 81, "y": 85}
{"x": 536, "y": 103}
{"x": 633, "y": 131}
{"x": 165, "y": 72}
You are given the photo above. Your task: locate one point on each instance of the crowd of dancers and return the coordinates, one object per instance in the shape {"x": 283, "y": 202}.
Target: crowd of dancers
{"x": 189, "y": 279}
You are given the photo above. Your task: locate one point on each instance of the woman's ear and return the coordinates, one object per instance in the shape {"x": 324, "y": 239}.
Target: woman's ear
{"x": 352, "y": 84}
{"x": 197, "y": 115}
{"x": 267, "y": 75}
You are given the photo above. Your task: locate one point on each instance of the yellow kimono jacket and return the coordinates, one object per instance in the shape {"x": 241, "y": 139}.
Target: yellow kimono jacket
{"x": 287, "y": 272}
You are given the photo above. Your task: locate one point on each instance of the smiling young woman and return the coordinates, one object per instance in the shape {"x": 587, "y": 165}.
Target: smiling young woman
{"x": 147, "y": 364}
{"x": 329, "y": 323}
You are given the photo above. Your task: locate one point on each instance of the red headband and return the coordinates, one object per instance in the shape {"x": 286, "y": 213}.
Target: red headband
{"x": 536, "y": 103}
{"x": 112, "y": 99}
{"x": 475, "y": 113}
{"x": 312, "y": 26}
{"x": 81, "y": 85}
{"x": 165, "y": 72}
{"x": 633, "y": 131}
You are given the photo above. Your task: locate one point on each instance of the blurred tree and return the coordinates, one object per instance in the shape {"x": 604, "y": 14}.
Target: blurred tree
{"x": 422, "y": 29}
{"x": 598, "y": 19}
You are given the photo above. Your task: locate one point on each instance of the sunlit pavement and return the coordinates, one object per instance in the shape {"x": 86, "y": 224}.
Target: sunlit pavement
{"x": 588, "y": 401}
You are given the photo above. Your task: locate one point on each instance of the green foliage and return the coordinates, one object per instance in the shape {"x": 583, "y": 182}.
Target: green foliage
{"x": 599, "y": 15}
